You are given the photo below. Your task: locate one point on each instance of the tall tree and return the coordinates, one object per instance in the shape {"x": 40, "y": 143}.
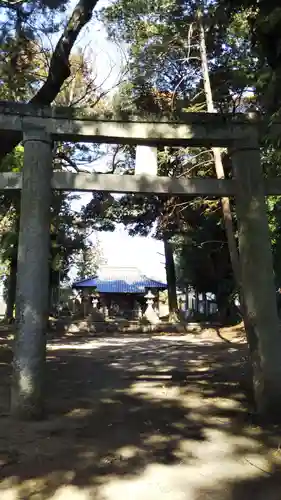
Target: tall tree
{"x": 220, "y": 173}
{"x": 166, "y": 91}
{"x": 88, "y": 260}
{"x": 171, "y": 280}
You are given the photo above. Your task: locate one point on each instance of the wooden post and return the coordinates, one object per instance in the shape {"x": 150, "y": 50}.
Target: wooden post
{"x": 257, "y": 277}
{"x": 33, "y": 278}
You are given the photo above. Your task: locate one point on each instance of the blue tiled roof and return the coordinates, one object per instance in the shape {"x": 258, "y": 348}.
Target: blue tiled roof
{"x": 119, "y": 280}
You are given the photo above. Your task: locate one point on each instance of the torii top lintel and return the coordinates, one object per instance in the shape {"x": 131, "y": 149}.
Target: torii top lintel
{"x": 86, "y": 125}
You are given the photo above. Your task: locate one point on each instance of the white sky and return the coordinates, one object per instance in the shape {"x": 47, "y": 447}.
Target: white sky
{"x": 119, "y": 248}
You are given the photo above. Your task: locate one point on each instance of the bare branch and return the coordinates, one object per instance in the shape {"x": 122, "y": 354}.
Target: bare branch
{"x": 61, "y": 155}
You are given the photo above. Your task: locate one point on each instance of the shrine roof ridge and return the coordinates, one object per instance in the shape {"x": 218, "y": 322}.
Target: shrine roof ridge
{"x": 114, "y": 279}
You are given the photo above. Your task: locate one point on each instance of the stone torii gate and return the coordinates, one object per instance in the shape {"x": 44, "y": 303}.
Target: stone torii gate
{"x": 38, "y": 127}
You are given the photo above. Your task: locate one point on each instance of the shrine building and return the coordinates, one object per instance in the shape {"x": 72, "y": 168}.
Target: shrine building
{"x": 120, "y": 289}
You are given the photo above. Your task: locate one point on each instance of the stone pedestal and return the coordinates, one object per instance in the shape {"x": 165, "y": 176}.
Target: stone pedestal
{"x": 32, "y": 299}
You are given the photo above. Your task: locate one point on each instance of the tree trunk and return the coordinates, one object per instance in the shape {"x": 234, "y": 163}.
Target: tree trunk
{"x": 196, "y": 310}
{"x": 11, "y": 293}
{"x": 225, "y": 202}
{"x": 205, "y": 304}
{"x": 171, "y": 281}
{"x": 224, "y": 308}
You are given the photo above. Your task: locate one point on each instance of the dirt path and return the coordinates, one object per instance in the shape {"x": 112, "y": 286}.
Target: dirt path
{"x": 140, "y": 418}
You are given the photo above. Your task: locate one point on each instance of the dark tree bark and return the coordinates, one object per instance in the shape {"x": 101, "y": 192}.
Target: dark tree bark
{"x": 171, "y": 280}
{"x": 205, "y": 305}
{"x": 196, "y": 305}
{"x": 224, "y": 308}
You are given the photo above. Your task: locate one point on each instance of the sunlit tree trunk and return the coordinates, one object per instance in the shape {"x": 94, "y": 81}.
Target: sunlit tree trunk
{"x": 225, "y": 202}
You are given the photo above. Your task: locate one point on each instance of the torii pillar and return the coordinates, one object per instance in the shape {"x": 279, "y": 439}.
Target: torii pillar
{"x": 257, "y": 276}
{"x": 146, "y": 160}
{"x": 27, "y": 396}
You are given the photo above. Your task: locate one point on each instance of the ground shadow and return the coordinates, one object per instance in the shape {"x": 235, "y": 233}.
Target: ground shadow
{"x": 145, "y": 418}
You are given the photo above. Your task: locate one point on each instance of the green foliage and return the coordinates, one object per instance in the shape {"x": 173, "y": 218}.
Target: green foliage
{"x": 263, "y": 21}
{"x": 67, "y": 238}
{"x": 25, "y": 28}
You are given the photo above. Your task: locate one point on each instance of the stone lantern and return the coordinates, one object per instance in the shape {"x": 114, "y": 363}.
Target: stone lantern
{"x": 95, "y": 301}
{"x": 150, "y": 314}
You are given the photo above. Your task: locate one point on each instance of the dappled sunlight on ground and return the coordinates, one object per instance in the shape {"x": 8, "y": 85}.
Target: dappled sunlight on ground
{"x": 141, "y": 418}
